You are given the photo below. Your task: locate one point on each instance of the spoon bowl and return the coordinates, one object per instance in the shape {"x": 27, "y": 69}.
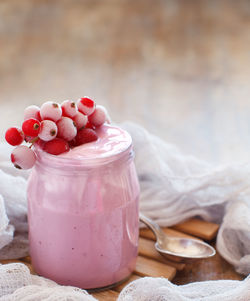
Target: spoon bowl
{"x": 177, "y": 248}
{"x": 185, "y": 249}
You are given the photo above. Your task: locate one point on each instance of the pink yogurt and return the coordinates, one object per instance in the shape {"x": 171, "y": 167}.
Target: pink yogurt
{"x": 83, "y": 212}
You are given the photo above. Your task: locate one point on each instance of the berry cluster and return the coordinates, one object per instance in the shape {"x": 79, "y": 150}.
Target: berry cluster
{"x": 55, "y": 128}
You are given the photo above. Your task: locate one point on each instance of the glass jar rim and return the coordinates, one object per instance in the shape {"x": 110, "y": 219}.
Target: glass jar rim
{"x": 118, "y": 146}
{"x": 81, "y": 162}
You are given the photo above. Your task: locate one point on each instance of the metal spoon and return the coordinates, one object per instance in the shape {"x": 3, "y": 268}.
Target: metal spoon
{"x": 180, "y": 249}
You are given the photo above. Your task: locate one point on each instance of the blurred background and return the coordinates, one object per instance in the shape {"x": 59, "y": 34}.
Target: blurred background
{"x": 178, "y": 67}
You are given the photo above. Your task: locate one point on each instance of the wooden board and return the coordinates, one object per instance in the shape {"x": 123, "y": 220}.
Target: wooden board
{"x": 149, "y": 261}
{"x": 198, "y": 228}
{"x": 153, "y": 268}
{"x": 106, "y": 295}
{"x": 121, "y": 286}
{"x": 146, "y": 233}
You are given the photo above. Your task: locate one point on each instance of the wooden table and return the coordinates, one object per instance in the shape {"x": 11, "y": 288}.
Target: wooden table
{"x": 180, "y": 68}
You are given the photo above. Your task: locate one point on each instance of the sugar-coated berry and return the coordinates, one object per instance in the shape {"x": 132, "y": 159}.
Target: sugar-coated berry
{"x": 31, "y": 127}
{"x": 14, "y": 136}
{"x": 56, "y": 146}
{"x": 51, "y": 111}
{"x": 86, "y": 105}
{"x": 48, "y": 130}
{"x": 85, "y": 136}
{"x": 80, "y": 120}
{"x": 23, "y": 157}
{"x": 66, "y": 129}
{"x": 69, "y": 108}
{"x": 32, "y": 112}
{"x": 98, "y": 117}
{"x": 108, "y": 119}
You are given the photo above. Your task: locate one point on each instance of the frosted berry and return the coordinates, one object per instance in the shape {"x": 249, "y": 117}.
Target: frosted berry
{"x": 14, "y": 136}
{"x": 32, "y": 112}
{"x": 56, "y": 146}
{"x": 23, "y": 157}
{"x": 86, "y": 105}
{"x": 69, "y": 108}
{"x": 31, "y": 127}
{"x": 98, "y": 117}
{"x": 51, "y": 110}
{"x": 48, "y": 130}
{"x": 80, "y": 120}
{"x": 66, "y": 129}
{"x": 108, "y": 119}
{"x": 85, "y": 136}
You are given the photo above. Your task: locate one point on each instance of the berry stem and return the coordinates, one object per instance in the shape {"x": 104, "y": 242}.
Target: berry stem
{"x": 33, "y": 141}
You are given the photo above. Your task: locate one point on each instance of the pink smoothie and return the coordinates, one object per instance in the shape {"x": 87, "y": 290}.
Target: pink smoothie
{"x": 83, "y": 212}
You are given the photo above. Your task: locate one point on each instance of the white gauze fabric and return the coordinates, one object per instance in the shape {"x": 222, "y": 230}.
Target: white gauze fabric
{"x": 160, "y": 289}
{"x": 17, "y": 284}
{"x": 13, "y": 208}
{"x": 175, "y": 187}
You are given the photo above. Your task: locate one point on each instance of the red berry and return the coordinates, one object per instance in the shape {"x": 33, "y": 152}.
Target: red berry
{"x": 72, "y": 143}
{"x": 86, "y": 105}
{"x": 56, "y": 146}
{"x": 69, "y": 108}
{"x": 48, "y": 130}
{"x": 14, "y": 136}
{"x": 51, "y": 111}
{"x": 23, "y": 157}
{"x": 98, "y": 117}
{"x": 85, "y": 136}
{"x": 32, "y": 112}
{"x": 31, "y": 127}
{"x": 80, "y": 120}
{"x": 108, "y": 119}
{"x": 66, "y": 129}
{"x": 89, "y": 126}
{"x": 39, "y": 116}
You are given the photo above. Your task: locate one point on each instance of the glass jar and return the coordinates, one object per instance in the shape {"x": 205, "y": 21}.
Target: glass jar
{"x": 83, "y": 213}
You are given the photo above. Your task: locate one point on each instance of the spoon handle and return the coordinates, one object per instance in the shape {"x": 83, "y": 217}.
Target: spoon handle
{"x": 159, "y": 234}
